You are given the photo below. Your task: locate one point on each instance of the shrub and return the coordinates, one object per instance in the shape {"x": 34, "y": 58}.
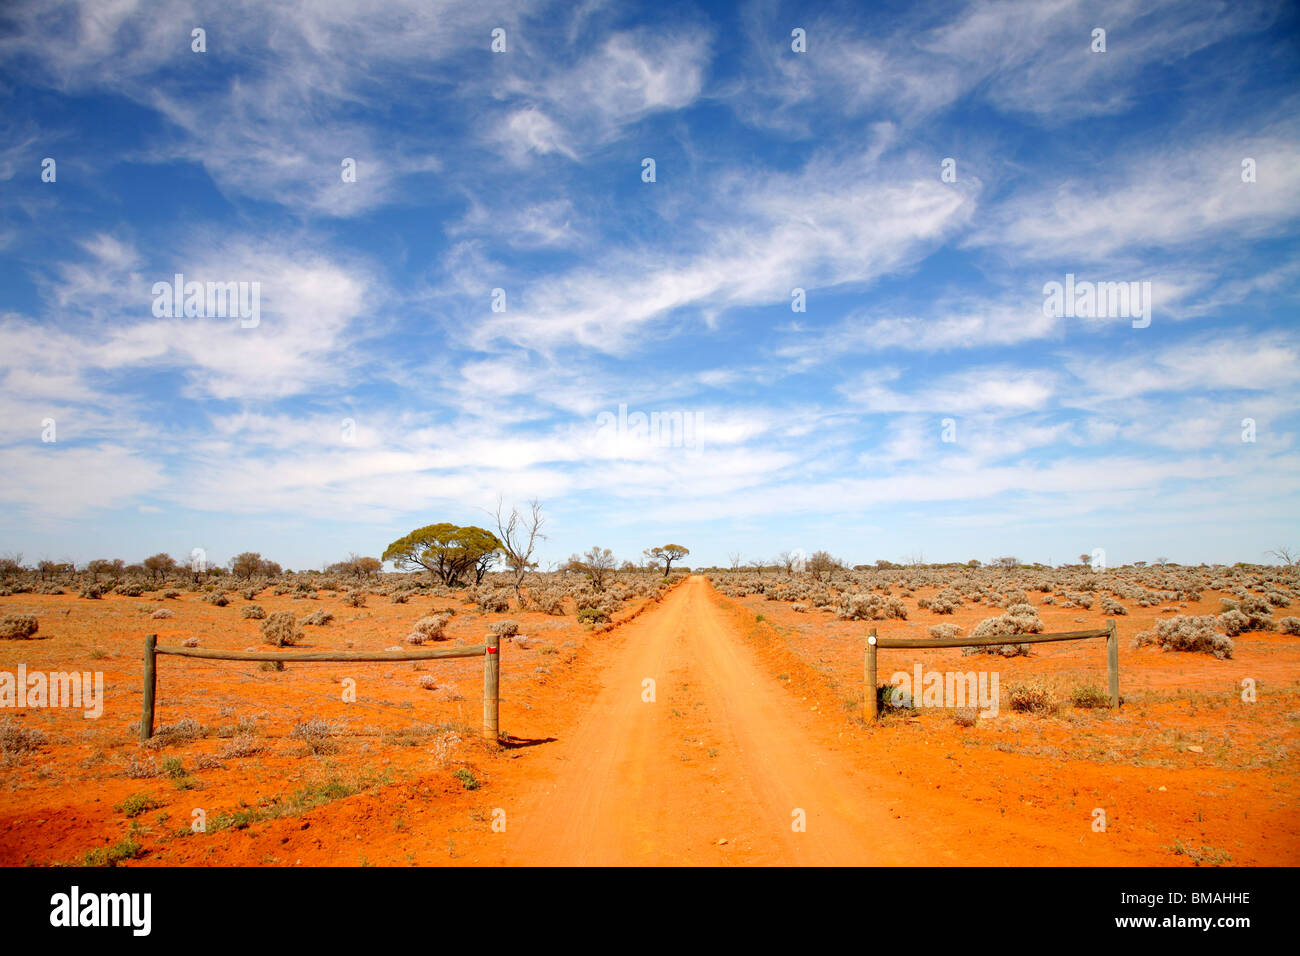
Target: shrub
{"x": 127, "y": 848}
{"x": 217, "y": 599}
{"x": 492, "y": 600}
{"x": 185, "y": 730}
{"x": 1185, "y": 633}
{"x": 16, "y": 739}
{"x": 944, "y": 631}
{"x": 92, "y": 592}
{"x": 887, "y": 700}
{"x": 800, "y": 608}
{"x": 161, "y": 614}
{"x": 1289, "y": 625}
{"x": 594, "y": 607}
{"x": 1256, "y": 611}
{"x": 1090, "y": 695}
{"x": 593, "y": 615}
{"x": 399, "y": 597}
{"x": 318, "y": 618}
{"x": 281, "y": 630}
{"x": 504, "y": 629}
{"x": 136, "y": 804}
{"x": 316, "y": 733}
{"x": 18, "y": 627}
{"x": 355, "y": 599}
{"x": 254, "y": 612}
{"x": 945, "y": 602}
{"x": 548, "y": 601}
{"x": 1030, "y": 697}
{"x": 1233, "y": 622}
{"x": 1013, "y": 597}
{"x": 245, "y": 745}
{"x": 1018, "y": 619}
{"x": 1112, "y": 607}
{"x": 432, "y": 628}
{"x": 862, "y": 606}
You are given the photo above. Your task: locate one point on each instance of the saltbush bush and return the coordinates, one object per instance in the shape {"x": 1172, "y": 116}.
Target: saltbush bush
{"x": 1018, "y": 619}
{"x": 431, "y": 628}
{"x": 1187, "y": 633}
{"x": 281, "y": 629}
{"x": 18, "y": 627}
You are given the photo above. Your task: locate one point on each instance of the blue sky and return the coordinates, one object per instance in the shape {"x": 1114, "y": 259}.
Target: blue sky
{"x": 774, "y": 170}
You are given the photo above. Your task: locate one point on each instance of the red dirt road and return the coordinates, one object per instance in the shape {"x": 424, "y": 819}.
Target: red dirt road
{"x": 720, "y": 754}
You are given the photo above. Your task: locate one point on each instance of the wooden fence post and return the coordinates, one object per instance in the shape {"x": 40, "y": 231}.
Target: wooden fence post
{"x": 1112, "y": 662}
{"x": 150, "y": 685}
{"x": 491, "y": 692}
{"x": 869, "y": 678}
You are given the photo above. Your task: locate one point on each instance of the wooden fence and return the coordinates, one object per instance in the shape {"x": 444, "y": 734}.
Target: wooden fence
{"x": 491, "y": 654}
{"x": 874, "y": 643}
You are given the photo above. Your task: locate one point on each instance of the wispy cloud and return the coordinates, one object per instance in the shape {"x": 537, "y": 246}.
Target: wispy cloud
{"x": 860, "y": 343}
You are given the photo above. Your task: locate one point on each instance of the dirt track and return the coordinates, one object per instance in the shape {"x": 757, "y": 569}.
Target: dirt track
{"x": 720, "y": 755}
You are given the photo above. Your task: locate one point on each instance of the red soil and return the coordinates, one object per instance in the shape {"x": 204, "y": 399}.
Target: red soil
{"x": 752, "y": 721}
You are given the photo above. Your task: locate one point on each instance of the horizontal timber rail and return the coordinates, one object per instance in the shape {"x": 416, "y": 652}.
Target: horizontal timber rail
{"x": 990, "y": 641}
{"x": 433, "y": 653}
{"x": 870, "y": 706}
{"x": 489, "y": 652}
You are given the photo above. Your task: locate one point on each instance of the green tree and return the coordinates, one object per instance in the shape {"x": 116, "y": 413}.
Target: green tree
{"x": 11, "y": 564}
{"x": 246, "y": 565}
{"x": 115, "y": 568}
{"x": 160, "y": 565}
{"x": 667, "y": 554}
{"x": 446, "y": 551}
{"x": 356, "y": 566}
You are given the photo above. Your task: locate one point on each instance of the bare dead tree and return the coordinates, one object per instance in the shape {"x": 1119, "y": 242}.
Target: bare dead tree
{"x": 1287, "y": 556}
{"x": 734, "y": 558}
{"x": 519, "y": 535}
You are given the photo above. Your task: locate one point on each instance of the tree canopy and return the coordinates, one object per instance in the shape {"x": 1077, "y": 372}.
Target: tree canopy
{"x": 251, "y": 564}
{"x": 357, "y": 566}
{"x": 449, "y": 552}
{"x": 597, "y": 564}
{"x": 667, "y": 554}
